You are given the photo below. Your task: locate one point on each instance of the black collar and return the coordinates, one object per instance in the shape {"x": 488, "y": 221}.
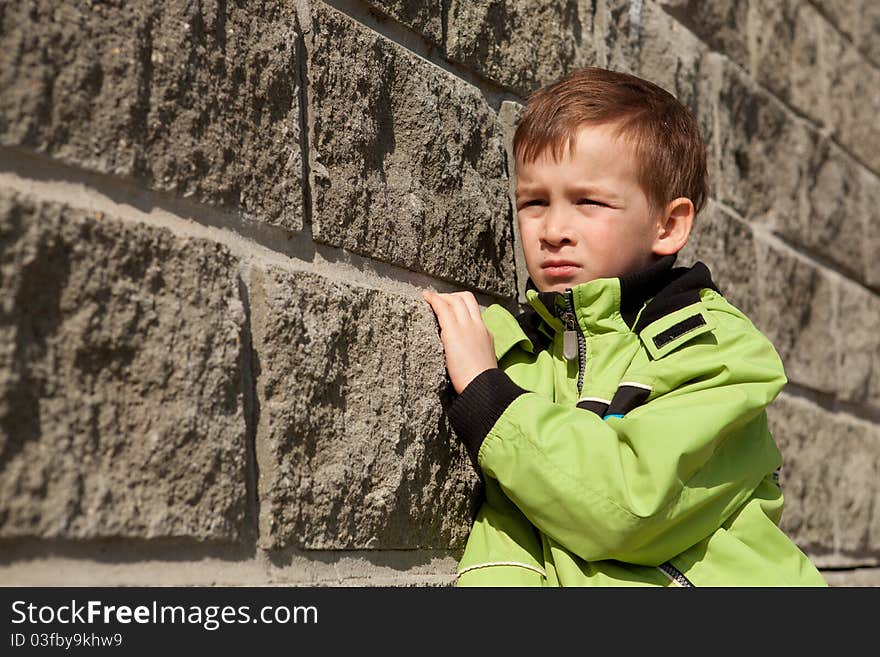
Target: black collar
{"x": 661, "y": 286}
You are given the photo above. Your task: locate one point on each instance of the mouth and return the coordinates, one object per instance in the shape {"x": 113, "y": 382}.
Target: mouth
{"x": 559, "y": 268}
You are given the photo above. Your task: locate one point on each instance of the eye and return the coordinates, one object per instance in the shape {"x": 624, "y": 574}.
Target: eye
{"x": 533, "y": 202}
{"x": 589, "y": 201}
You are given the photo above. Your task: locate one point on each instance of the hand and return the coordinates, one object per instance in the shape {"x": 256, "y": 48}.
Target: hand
{"x": 467, "y": 342}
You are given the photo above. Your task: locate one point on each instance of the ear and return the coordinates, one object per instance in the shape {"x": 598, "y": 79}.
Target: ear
{"x": 674, "y": 227}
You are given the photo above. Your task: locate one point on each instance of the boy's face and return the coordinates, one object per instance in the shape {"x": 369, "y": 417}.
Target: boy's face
{"x": 586, "y": 216}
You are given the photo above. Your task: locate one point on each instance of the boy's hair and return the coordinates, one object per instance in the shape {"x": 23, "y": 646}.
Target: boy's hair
{"x": 668, "y": 146}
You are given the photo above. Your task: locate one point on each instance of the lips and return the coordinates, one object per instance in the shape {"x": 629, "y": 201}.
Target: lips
{"x": 559, "y": 268}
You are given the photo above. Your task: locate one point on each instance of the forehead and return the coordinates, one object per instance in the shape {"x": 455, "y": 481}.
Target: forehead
{"x": 597, "y": 155}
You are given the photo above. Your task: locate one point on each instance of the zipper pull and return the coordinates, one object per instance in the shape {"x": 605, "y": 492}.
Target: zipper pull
{"x": 569, "y": 345}
{"x": 569, "y": 338}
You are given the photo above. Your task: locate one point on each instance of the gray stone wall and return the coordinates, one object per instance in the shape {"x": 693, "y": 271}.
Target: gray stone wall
{"x": 216, "y": 220}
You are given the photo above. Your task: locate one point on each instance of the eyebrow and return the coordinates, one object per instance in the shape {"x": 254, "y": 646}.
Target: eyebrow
{"x": 586, "y": 190}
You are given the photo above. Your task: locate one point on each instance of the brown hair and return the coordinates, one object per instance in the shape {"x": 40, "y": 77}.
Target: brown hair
{"x": 666, "y": 137}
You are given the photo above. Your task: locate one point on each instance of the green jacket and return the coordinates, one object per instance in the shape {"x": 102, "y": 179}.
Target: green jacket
{"x": 623, "y": 441}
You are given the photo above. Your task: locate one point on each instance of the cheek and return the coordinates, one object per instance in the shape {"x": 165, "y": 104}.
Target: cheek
{"x": 528, "y": 233}
{"x": 530, "y": 243}
{"x": 599, "y": 232}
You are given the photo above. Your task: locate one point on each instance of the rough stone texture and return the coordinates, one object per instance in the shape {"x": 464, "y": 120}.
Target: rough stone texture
{"x": 727, "y": 247}
{"x": 825, "y": 329}
{"x": 720, "y": 23}
{"x": 798, "y": 306}
{"x": 829, "y": 479}
{"x": 409, "y": 161}
{"x": 793, "y": 53}
{"x": 802, "y": 59}
{"x": 776, "y": 170}
{"x": 423, "y": 16}
{"x": 772, "y": 167}
{"x": 858, "y": 20}
{"x": 353, "y": 446}
{"x": 860, "y": 577}
{"x": 142, "y": 567}
{"x": 619, "y": 33}
{"x": 788, "y": 47}
{"x": 521, "y": 44}
{"x": 855, "y": 105}
{"x": 199, "y": 98}
{"x": 836, "y": 202}
{"x": 764, "y": 151}
{"x": 509, "y": 117}
{"x": 870, "y": 214}
{"x": 129, "y": 390}
{"x": 121, "y": 410}
{"x": 858, "y": 320}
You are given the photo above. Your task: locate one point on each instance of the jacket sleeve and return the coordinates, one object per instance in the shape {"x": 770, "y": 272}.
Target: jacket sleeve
{"x": 644, "y": 487}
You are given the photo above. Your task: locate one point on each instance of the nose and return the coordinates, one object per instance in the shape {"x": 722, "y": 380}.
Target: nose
{"x": 557, "y": 227}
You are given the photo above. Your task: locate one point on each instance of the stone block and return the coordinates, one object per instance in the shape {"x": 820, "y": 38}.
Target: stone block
{"x": 426, "y": 18}
{"x": 801, "y": 58}
{"x": 353, "y": 446}
{"x": 793, "y": 53}
{"x": 618, "y": 27}
{"x": 197, "y": 98}
{"x": 409, "y": 160}
{"x": 857, "y": 323}
{"x": 791, "y": 49}
{"x": 521, "y": 44}
{"x": 861, "y": 577}
{"x": 859, "y": 21}
{"x": 777, "y": 170}
{"x": 824, "y": 328}
{"x": 829, "y": 480}
{"x": 722, "y": 24}
{"x": 834, "y": 206}
{"x": 797, "y": 310}
{"x": 726, "y": 246}
{"x": 121, "y": 401}
{"x": 855, "y": 105}
{"x": 764, "y": 152}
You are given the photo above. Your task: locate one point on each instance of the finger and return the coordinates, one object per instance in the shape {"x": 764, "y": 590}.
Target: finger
{"x": 428, "y": 296}
{"x": 466, "y": 308}
{"x": 472, "y": 307}
{"x": 446, "y": 317}
{"x": 457, "y": 307}
{"x": 434, "y": 300}
{"x": 448, "y": 307}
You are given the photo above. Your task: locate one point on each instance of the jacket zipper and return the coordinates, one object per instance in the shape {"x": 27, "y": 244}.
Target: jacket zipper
{"x": 572, "y": 329}
{"x": 675, "y": 575}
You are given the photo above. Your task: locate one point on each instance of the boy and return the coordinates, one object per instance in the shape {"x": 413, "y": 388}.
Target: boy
{"x": 619, "y": 424}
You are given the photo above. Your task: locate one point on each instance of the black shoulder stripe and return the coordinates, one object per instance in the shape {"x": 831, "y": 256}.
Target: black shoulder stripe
{"x": 627, "y": 398}
{"x": 683, "y": 291}
{"x": 594, "y": 405}
{"x": 678, "y": 329}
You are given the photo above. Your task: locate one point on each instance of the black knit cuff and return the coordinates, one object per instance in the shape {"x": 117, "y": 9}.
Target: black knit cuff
{"x": 475, "y": 411}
